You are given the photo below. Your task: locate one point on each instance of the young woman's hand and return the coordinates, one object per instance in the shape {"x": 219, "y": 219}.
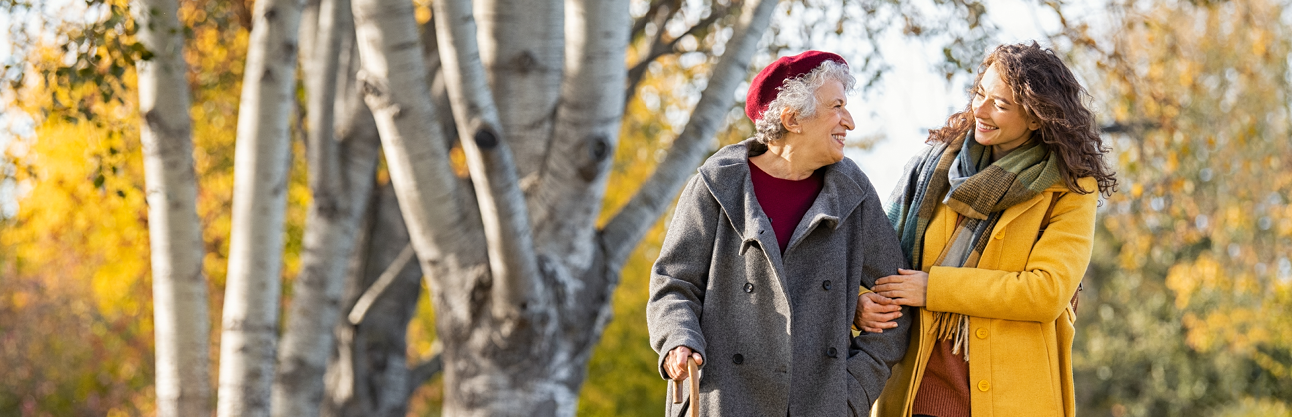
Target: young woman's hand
{"x": 907, "y": 288}
{"x": 875, "y": 313}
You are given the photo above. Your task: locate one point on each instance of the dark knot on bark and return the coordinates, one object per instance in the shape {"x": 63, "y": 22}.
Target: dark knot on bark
{"x": 598, "y": 148}
{"x": 486, "y": 139}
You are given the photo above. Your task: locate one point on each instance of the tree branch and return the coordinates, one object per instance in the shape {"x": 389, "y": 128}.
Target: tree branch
{"x": 659, "y": 48}
{"x": 379, "y": 287}
{"x": 321, "y": 66}
{"x": 654, "y": 49}
{"x": 502, "y": 206}
{"x": 639, "y": 25}
{"x": 340, "y": 177}
{"x": 631, "y": 223}
{"x": 439, "y": 91}
{"x": 395, "y": 88}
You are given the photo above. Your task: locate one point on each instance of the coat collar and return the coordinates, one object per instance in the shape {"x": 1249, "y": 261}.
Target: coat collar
{"x": 726, "y": 174}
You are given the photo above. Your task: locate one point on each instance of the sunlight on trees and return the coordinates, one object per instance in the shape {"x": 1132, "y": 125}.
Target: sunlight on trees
{"x": 1185, "y": 310}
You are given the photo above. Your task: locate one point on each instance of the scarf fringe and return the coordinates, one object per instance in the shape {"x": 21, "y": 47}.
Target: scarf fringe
{"x": 955, "y": 328}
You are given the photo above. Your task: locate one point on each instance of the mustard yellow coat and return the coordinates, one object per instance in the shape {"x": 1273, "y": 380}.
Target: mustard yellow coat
{"x": 1020, "y": 347}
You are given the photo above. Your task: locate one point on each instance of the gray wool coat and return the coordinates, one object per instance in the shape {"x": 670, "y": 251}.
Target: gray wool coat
{"x": 775, "y": 330}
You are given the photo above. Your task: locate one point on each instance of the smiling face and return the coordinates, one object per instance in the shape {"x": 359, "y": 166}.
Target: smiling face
{"x": 819, "y": 138}
{"x": 1001, "y": 122}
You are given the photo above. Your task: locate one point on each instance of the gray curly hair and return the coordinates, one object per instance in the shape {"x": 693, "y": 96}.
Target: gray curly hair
{"x": 798, "y": 95}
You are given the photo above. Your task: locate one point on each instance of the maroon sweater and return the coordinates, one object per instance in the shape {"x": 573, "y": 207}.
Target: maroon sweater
{"x": 944, "y": 390}
{"x": 785, "y": 201}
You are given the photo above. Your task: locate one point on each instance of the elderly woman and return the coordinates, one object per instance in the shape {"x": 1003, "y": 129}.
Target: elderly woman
{"x": 758, "y": 276}
{"x": 998, "y": 219}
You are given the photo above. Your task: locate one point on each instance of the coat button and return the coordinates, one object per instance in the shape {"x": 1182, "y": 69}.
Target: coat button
{"x": 737, "y": 359}
{"x": 826, "y": 285}
{"x": 832, "y": 352}
{"x": 981, "y": 333}
{"x": 749, "y": 287}
{"x": 984, "y": 385}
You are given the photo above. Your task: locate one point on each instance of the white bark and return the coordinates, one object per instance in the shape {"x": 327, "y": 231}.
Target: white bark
{"x": 488, "y": 360}
{"x": 395, "y": 88}
{"x": 442, "y": 219}
{"x": 521, "y": 47}
{"x": 250, "y": 324}
{"x": 628, "y": 226}
{"x": 502, "y": 207}
{"x": 175, "y": 235}
{"x": 308, "y": 33}
{"x": 567, "y": 201}
{"x": 341, "y": 176}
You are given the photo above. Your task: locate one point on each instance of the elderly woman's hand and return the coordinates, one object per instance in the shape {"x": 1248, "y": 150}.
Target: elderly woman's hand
{"x": 875, "y": 313}
{"x": 907, "y": 288}
{"x": 675, "y": 363}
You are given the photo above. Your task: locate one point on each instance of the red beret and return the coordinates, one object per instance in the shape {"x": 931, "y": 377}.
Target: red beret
{"x": 765, "y": 85}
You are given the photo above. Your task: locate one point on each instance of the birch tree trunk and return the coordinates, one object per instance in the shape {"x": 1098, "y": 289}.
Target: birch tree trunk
{"x": 444, "y": 227}
{"x": 342, "y": 170}
{"x": 180, "y": 317}
{"x": 250, "y": 324}
{"x": 368, "y": 375}
{"x": 517, "y": 341}
{"x": 568, "y": 198}
{"x": 521, "y": 48}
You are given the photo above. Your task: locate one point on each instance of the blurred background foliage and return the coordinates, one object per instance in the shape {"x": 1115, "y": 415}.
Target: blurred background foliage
{"x": 1188, "y": 302}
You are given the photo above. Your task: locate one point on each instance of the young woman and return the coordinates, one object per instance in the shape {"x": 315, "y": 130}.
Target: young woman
{"x": 997, "y": 219}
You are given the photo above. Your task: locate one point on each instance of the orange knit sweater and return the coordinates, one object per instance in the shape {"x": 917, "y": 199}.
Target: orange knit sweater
{"x": 944, "y": 390}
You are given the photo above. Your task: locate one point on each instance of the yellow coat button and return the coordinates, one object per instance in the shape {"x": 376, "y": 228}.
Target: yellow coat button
{"x": 981, "y": 333}
{"x": 984, "y": 385}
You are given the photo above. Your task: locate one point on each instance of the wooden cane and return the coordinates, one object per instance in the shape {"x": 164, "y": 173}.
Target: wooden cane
{"x": 693, "y": 374}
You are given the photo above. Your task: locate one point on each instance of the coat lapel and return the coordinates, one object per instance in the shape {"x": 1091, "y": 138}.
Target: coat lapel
{"x": 839, "y": 196}
{"x": 738, "y": 202}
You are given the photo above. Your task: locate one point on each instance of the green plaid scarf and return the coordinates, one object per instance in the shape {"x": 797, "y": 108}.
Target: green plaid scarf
{"x": 976, "y": 188}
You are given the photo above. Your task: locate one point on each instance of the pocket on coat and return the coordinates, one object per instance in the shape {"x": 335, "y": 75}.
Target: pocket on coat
{"x": 1022, "y": 368}
{"x": 858, "y": 393}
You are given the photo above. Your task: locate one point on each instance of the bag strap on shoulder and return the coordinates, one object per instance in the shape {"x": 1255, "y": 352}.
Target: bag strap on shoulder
{"x": 1045, "y": 222}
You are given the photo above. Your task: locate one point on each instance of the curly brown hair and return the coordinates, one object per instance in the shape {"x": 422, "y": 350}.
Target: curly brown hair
{"x": 1048, "y": 91}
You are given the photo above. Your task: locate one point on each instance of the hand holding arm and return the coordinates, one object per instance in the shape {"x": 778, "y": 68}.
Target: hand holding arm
{"x": 908, "y": 287}
{"x": 875, "y": 313}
